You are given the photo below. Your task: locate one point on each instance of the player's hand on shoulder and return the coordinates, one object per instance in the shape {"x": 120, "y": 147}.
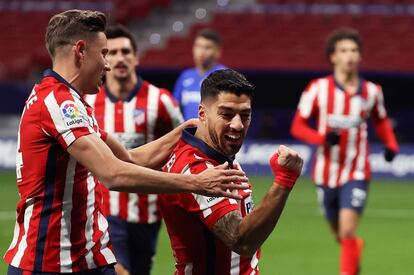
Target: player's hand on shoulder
{"x": 219, "y": 180}
{"x": 286, "y": 165}
{"x": 192, "y": 122}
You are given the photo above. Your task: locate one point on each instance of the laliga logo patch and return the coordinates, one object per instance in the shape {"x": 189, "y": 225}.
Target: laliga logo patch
{"x": 70, "y": 110}
{"x": 139, "y": 116}
{"x": 71, "y": 114}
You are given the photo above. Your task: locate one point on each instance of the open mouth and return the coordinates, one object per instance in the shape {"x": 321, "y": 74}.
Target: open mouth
{"x": 233, "y": 137}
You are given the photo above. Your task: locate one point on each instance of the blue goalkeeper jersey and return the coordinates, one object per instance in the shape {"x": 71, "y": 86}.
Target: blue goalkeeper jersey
{"x": 187, "y": 90}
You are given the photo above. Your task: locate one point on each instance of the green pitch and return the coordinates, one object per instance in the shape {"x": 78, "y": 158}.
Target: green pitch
{"x": 301, "y": 243}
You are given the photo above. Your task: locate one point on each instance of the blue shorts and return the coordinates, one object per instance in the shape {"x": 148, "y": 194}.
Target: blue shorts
{"x": 352, "y": 195}
{"x": 106, "y": 270}
{"x": 133, "y": 244}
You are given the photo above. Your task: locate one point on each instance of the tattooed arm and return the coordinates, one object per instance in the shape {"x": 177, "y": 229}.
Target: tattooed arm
{"x": 245, "y": 235}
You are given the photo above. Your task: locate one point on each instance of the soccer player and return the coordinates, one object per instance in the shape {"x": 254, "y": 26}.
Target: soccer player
{"x": 216, "y": 235}
{"x": 136, "y": 112}
{"x": 341, "y": 104}
{"x": 59, "y": 225}
{"x": 206, "y": 53}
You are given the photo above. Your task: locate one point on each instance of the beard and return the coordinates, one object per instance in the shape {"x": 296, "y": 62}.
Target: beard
{"x": 217, "y": 145}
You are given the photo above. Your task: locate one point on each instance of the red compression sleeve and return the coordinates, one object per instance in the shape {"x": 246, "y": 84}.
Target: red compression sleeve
{"x": 301, "y": 130}
{"x": 386, "y": 133}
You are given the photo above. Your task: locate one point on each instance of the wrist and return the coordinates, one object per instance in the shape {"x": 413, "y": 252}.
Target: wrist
{"x": 286, "y": 177}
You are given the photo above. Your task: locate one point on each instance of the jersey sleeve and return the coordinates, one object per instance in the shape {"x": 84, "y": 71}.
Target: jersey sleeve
{"x": 64, "y": 117}
{"x": 382, "y": 124}
{"x": 172, "y": 110}
{"x": 308, "y": 105}
{"x": 378, "y": 111}
{"x": 208, "y": 209}
{"x": 307, "y": 109}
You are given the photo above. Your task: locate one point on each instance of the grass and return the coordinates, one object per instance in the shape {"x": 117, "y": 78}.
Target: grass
{"x": 301, "y": 243}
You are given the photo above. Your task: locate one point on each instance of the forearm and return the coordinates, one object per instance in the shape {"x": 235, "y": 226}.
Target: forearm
{"x": 257, "y": 226}
{"x": 128, "y": 177}
{"x": 386, "y": 133}
{"x": 154, "y": 154}
{"x": 302, "y": 131}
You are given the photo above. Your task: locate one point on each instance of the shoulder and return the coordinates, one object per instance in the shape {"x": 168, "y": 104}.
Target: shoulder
{"x": 186, "y": 158}
{"x": 373, "y": 86}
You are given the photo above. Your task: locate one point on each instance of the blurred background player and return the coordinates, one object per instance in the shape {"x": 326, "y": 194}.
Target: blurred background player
{"x": 215, "y": 235}
{"x": 341, "y": 104}
{"x": 136, "y": 112}
{"x": 206, "y": 53}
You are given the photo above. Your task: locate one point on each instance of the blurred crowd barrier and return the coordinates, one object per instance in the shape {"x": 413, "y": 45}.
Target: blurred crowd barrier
{"x": 254, "y": 157}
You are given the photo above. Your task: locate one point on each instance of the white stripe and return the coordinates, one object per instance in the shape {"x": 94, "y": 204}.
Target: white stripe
{"x": 379, "y": 99}
{"x": 235, "y": 264}
{"x": 109, "y": 112}
{"x": 82, "y": 110}
{"x": 152, "y": 208}
{"x": 355, "y": 106}
{"x": 90, "y": 99}
{"x": 114, "y": 203}
{"x": 133, "y": 210}
{"x": 105, "y": 251}
{"x": 129, "y": 122}
{"x": 89, "y": 221}
{"x": 65, "y": 220}
{"x": 54, "y": 111}
{"x": 152, "y": 111}
{"x": 188, "y": 270}
{"x": 338, "y": 109}
{"x": 323, "y": 105}
{"x": 173, "y": 111}
{"x": 16, "y": 227}
{"x": 359, "y": 173}
{"x": 254, "y": 263}
{"x": 322, "y": 101}
{"x": 306, "y": 101}
{"x": 23, "y": 242}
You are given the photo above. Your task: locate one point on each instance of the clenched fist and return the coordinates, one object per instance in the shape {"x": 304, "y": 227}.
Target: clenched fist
{"x": 286, "y": 165}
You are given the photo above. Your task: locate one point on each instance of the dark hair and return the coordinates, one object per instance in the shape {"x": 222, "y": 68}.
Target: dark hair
{"x": 226, "y": 80}
{"x": 118, "y": 30}
{"x": 65, "y": 27}
{"x": 211, "y": 35}
{"x": 341, "y": 34}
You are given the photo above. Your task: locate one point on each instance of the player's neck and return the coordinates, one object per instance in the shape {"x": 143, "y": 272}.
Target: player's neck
{"x": 202, "y": 70}
{"x": 350, "y": 81}
{"x": 121, "y": 89}
{"x": 68, "y": 73}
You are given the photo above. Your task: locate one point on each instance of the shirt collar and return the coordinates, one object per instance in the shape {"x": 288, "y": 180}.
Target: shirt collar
{"x": 189, "y": 138}
{"x": 130, "y": 95}
{"x": 58, "y": 77}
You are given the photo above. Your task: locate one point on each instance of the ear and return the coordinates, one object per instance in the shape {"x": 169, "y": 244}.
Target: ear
{"x": 332, "y": 58}
{"x": 202, "y": 113}
{"x": 80, "y": 47}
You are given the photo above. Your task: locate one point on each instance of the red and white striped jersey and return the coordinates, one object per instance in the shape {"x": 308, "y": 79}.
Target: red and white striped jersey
{"x": 190, "y": 217}
{"x": 335, "y": 109}
{"x": 144, "y": 115}
{"x": 59, "y": 225}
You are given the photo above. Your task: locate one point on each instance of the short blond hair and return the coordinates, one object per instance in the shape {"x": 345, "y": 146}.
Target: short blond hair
{"x": 66, "y": 27}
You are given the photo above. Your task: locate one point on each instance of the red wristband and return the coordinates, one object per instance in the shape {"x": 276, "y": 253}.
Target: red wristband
{"x": 283, "y": 176}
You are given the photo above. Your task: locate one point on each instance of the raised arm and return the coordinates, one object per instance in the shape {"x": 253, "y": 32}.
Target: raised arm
{"x": 153, "y": 154}
{"x": 245, "y": 235}
{"x": 118, "y": 175}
